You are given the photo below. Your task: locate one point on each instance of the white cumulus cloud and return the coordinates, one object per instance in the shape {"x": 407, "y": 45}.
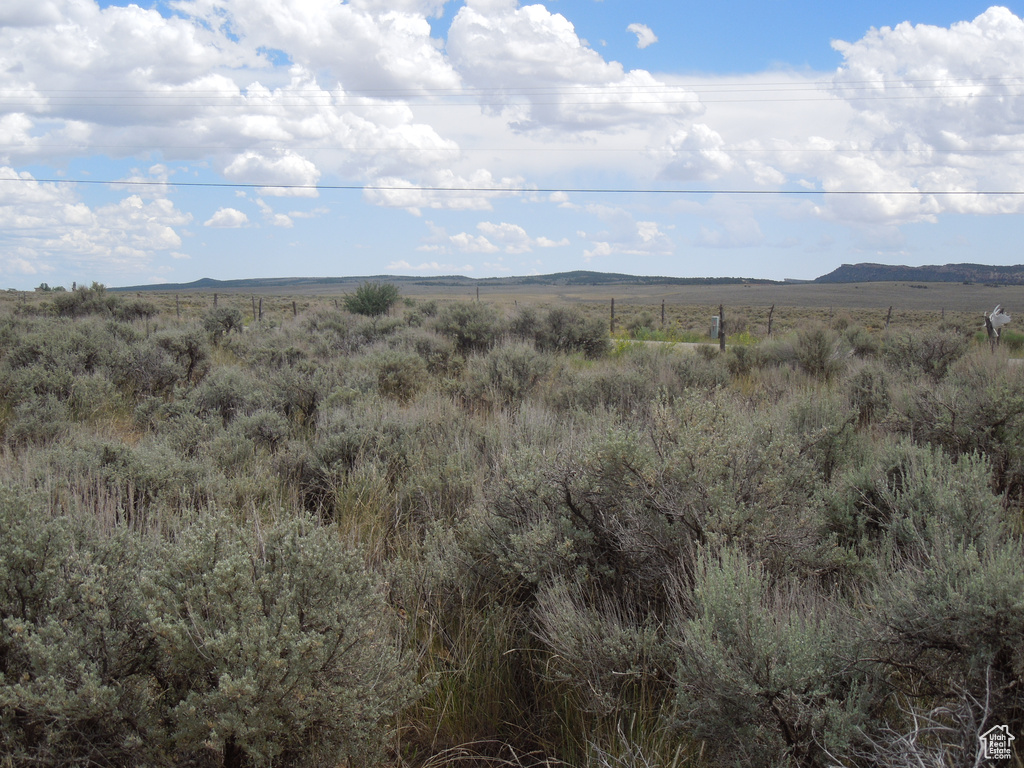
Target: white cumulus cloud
{"x": 937, "y": 109}
{"x": 644, "y": 35}
{"x": 227, "y": 218}
{"x": 296, "y": 175}
{"x": 505, "y": 51}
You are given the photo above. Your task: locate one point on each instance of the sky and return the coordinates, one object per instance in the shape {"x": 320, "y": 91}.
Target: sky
{"x": 179, "y": 139}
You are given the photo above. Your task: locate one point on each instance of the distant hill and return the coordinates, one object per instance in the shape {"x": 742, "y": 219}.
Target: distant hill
{"x": 947, "y": 273}
{"x": 344, "y": 283}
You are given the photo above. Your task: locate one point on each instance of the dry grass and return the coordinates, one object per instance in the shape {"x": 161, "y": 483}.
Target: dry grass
{"x": 688, "y": 309}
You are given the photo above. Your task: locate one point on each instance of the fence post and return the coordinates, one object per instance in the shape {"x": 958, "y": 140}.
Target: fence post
{"x": 888, "y": 317}
{"x": 215, "y": 301}
{"x": 177, "y": 306}
{"x": 261, "y": 309}
{"x": 295, "y": 310}
{"x": 770, "y": 313}
{"x": 613, "y": 318}
{"x": 254, "y": 307}
{"x": 662, "y": 313}
{"x": 721, "y": 328}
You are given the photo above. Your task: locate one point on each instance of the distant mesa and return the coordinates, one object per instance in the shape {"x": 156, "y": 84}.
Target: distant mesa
{"x": 577, "y": 278}
{"x": 847, "y": 273}
{"x": 947, "y": 273}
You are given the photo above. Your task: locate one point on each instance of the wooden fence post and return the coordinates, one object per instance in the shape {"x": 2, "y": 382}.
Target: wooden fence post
{"x": 261, "y": 309}
{"x": 721, "y": 328}
{"x": 295, "y": 310}
{"x": 770, "y": 313}
{"x": 662, "y": 313}
{"x": 215, "y": 300}
{"x": 254, "y": 307}
{"x": 177, "y": 306}
{"x": 613, "y": 318}
{"x": 888, "y": 317}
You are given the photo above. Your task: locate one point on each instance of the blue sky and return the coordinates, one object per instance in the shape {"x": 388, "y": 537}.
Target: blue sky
{"x": 174, "y": 140}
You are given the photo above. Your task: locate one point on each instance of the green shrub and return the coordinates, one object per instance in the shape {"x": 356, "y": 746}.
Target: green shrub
{"x": 147, "y": 369}
{"x": 741, "y": 360}
{"x": 769, "y": 673}
{"x": 905, "y": 496}
{"x": 868, "y": 391}
{"x": 1012, "y": 340}
{"x": 76, "y": 654}
{"x": 569, "y": 330}
{"x": 862, "y": 342}
{"x": 232, "y": 643}
{"x": 297, "y": 391}
{"x": 819, "y": 352}
{"x": 703, "y": 372}
{"x": 639, "y": 323}
{"x": 378, "y": 329}
{"x": 977, "y": 407}
{"x": 221, "y": 321}
{"x": 602, "y": 513}
{"x": 227, "y": 393}
{"x": 438, "y": 353}
{"x": 474, "y": 327}
{"x": 92, "y": 397}
{"x": 624, "y": 391}
{"x": 372, "y": 299}
{"x": 265, "y": 429}
{"x": 38, "y": 421}
{"x": 275, "y": 645}
{"x": 400, "y": 375}
{"x": 928, "y": 353}
{"x": 95, "y": 300}
{"x": 140, "y": 483}
{"x": 513, "y": 372}
{"x": 84, "y": 301}
{"x": 332, "y": 332}
{"x": 525, "y": 325}
{"x": 822, "y": 425}
{"x": 956, "y": 618}
{"x": 189, "y": 349}
{"x": 610, "y": 658}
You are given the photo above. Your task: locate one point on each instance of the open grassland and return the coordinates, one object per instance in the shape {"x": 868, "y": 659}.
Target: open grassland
{"x": 958, "y": 297}
{"x": 484, "y": 533}
{"x": 688, "y": 309}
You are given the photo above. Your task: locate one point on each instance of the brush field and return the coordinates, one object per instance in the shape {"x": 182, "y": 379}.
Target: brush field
{"x": 260, "y": 530}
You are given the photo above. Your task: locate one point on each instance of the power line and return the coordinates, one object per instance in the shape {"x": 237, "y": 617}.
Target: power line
{"x": 519, "y": 190}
